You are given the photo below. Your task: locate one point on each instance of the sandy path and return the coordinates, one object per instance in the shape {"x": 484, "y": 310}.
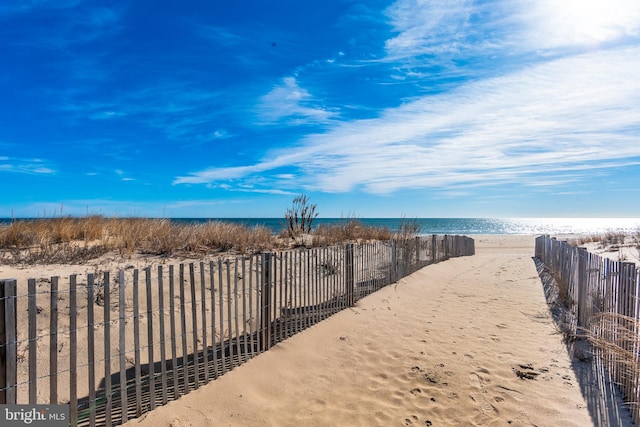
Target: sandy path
{"x": 448, "y": 345}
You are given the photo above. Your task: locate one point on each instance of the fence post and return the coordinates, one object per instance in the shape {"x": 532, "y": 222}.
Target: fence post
{"x": 394, "y": 262}
{"x": 581, "y": 299}
{"x": 8, "y": 337}
{"x": 445, "y": 244}
{"x": 349, "y": 274}
{"x": 265, "y": 303}
{"x": 540, "y": 241}
{"x": 434, "y": 248}
{"x": 627, "y": 276}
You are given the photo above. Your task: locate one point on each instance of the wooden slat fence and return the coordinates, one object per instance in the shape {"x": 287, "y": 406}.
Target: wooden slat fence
{"x": 602, "y": 298}
{"x": 115, "y": 346}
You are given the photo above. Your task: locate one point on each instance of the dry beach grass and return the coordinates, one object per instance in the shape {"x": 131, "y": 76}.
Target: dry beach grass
{"x": 79, "y": 239}
{"x": 615, "y": 245}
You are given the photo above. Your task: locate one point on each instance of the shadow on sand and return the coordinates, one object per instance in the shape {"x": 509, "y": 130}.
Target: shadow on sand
{"x": 168, "y": 381}
{"x": 603, "y": 397}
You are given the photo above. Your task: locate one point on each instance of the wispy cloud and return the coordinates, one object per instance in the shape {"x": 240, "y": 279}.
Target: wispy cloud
{"x": 221, "y": 134}
{"x": 545, "y": 120}
{"x": 221, "y": 36}
{"x": 225, "y": 174}
{"x": 176, "y": 108}
{"x": 448, "y": 40}
{"x": 427, "y": 27}
{"x": 122, "y": 175}
{"x": 459, "y": 98}
{"x": 291, "y": 104}
{"x": 28, "y": 166}
{"x": 463, "y": 28}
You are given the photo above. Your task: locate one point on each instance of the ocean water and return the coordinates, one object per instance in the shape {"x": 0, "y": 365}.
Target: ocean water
{"x": 463, "y": 226}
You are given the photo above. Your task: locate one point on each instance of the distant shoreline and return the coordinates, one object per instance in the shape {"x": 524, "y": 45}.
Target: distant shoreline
{"x": 451, "y": 226}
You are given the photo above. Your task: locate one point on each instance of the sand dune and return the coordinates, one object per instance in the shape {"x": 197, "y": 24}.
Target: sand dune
{"x": 469, "y": 341}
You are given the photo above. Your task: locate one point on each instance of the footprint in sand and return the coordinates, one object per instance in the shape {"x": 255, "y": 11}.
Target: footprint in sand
{"x": 485, "y": 406}
{"x": 511, "y": 392}
{"x": 410, "y": 420}
{"x": 477, "y": 381}
{"x": 432, "y": 377}
{"x": 525, "y": 372}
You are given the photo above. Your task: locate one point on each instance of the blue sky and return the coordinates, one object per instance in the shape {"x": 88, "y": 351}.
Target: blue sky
{"x": 372, "y": 108}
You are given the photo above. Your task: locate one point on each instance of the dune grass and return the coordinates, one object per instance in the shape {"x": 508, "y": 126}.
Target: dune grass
{"x": 349, "y": 230}
{"x": 606, "y": 239}
{"x": 76, "y": 239}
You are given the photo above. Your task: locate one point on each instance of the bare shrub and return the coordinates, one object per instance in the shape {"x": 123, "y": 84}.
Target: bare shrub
{"x": 299, "y": 219}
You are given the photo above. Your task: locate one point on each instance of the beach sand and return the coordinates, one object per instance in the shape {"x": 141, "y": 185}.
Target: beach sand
{"x": 469, "y": 341}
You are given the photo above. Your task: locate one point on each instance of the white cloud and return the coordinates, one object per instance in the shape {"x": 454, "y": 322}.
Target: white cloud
{"x": 429, "y": 26}
{"x": 275, "y": 191}
{"x": 290, "y": 103}
{"x": 432, "y": 32}
{"x": 552, "y": 24}
{"x": 221, "y": 134}
{"x": 552, "y": 120}
{"x": 237, "y": 172}
{"x": 106, "y": 115}
{"x": 123, "y": 175}
{"x": 27, "y": 166}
